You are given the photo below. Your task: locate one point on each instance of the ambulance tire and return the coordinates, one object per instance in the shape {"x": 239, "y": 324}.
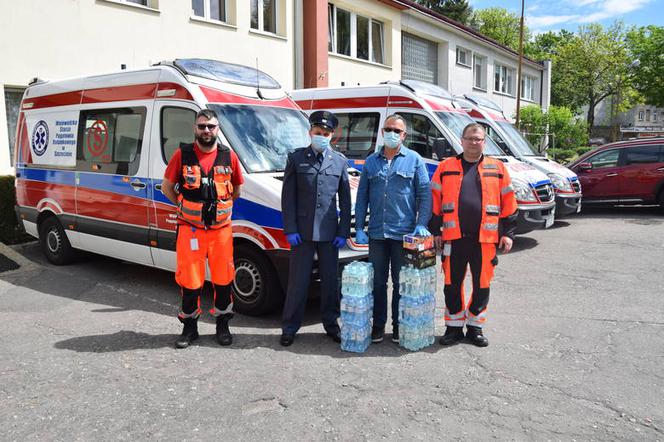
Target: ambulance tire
{"x": 54, "y": 242}
{"x": 256, "y": 288}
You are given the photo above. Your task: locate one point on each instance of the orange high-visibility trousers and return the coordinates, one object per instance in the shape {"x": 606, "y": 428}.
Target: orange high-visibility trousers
{"x": 192, "y": 248}
{"x": 482, "y": 259}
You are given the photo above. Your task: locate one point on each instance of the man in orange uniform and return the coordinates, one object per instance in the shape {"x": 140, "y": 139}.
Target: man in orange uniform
{"x": 208, "y": 179}
{"x": 473, "y": 194}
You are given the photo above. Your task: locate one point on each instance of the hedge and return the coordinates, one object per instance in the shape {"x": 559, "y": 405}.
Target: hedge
{"x": 10, "y": 231}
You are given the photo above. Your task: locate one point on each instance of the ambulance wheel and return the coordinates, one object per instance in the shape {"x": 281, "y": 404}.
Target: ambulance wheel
{"x": 256, "y": 288}
{"x": 54, "y": 242}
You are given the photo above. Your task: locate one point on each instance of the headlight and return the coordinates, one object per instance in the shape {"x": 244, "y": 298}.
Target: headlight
{"x": 522, "y": 191}
{"x": 560, "y": 182}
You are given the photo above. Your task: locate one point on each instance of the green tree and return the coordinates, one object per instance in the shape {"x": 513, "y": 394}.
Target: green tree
{"x": 591, "y": 66}
{"x": 568, "y": 136}
{"x": 458, "y": 10}
{"x": 646, "y": 47}
{"x": 544, "y": 46}
{"x": 500, "y": 25}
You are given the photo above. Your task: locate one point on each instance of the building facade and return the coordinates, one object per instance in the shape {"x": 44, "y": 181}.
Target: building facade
{"x": 301, "y": 43}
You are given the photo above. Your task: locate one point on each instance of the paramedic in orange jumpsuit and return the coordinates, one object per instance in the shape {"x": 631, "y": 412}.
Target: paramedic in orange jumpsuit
{"x": 473, "y": 194}
{"x": 203, "y": 180}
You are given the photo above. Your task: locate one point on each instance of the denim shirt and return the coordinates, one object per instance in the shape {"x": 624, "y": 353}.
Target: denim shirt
{"x": 397, "y": 195}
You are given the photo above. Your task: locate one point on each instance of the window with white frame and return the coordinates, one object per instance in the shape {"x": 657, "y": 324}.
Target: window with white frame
{"x": 209, "y": 9}
{"x": 528, "y": 87}
{"x": 504, "y": 79}
{"x": 138, "y": 2}
{"x": 642, "y": 115}
{"x": 463, "y": 56}
{"x": 264, "y": 15}
{"x": 648, "y": 115}
{"x": 355, "y": 35}
{"x": 479, "y": 72}
{"x": 654, "y": 115}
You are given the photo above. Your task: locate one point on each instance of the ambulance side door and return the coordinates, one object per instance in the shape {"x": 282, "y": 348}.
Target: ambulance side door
{"x": 173, "y": 124}
{"x": 111, "y": 183}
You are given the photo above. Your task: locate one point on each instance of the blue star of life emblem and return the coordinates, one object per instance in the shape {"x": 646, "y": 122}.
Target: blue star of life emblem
{"x": 40, "y": 138}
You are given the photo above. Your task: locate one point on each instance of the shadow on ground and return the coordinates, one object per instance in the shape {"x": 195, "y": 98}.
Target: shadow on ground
{"x": 305, "y": 343}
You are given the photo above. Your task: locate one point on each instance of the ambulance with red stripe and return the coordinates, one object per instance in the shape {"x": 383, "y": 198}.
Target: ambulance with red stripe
{"x": 565, "y": 182}
{"x": 435, "y": 123}
{"x": 91, "y": 154}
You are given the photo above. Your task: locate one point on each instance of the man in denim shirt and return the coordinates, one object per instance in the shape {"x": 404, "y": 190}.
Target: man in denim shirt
{"x": 395, "y": 187}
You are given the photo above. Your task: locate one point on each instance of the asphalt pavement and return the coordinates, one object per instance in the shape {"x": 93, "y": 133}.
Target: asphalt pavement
{"x": 576, "y": 330}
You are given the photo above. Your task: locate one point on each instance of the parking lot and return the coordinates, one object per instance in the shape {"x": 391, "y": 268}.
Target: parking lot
{"x": 576, "y": 330}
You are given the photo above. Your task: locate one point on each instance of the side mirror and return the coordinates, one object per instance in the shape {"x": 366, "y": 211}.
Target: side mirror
{"x": 504, "y": 147}
{"x": 441, "y": 149}
{"x": 585, "y": 167}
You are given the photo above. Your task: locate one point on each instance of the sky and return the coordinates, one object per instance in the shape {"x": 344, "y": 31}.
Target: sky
{"x": 552, "y": 15}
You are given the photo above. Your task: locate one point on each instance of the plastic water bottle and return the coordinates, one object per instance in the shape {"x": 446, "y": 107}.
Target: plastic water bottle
{"x": 356, "y": 306}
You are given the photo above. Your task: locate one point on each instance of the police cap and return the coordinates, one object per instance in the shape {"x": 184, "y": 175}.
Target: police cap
{"x": 325, "y": 119}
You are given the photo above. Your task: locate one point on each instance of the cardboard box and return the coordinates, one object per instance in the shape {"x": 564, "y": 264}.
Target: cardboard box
{"x": 412, "y": 242}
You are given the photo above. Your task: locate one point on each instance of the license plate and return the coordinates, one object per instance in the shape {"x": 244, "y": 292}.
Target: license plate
{"x": 549, "y": 222}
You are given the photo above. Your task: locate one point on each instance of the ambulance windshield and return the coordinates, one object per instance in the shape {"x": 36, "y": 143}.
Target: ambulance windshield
{"x": 262, "y": 136}
{"x": 456, "y": 121}
{"x": 516, "y": 140}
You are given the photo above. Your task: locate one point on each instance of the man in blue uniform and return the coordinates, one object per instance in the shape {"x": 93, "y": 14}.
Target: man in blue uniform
{"x": 315, "y": 176}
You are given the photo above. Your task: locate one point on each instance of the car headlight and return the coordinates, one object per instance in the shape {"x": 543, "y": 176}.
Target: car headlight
{"x": 522, "y": 191}
{"x": 560, "y": 182}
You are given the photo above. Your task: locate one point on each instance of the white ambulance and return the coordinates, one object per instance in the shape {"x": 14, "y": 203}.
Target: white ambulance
{"x": 490, "y": 115}
{"x": 91, "y": 154}
{"x": 435, "y": 123}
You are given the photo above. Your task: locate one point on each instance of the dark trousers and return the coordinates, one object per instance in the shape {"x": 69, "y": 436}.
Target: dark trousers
{"x": 482, "y": 259}
{"x": 299, "y": 276}
{"x": 385, "y": 255}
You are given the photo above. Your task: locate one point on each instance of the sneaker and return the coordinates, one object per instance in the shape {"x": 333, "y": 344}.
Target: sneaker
{"x": 395, "y": 334}
{"x": 377, "y": 334}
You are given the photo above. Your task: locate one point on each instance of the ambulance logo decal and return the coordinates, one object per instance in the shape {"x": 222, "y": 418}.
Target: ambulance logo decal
{"x": 40, "y": 138}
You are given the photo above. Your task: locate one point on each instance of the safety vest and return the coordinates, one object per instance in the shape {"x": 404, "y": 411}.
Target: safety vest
{"x": 498, "y": 200}
{"x": 205, "y": 200}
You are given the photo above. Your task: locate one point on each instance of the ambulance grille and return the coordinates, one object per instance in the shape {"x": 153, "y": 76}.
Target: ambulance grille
{"x": 545, "y": 193}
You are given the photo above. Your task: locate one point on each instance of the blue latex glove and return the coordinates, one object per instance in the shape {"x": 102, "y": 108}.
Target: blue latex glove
{"x": 361, "y": 237}
{"x": 339, "y": 242}
{"x": 294, "y": 239}
{"x": 421, "y": 231}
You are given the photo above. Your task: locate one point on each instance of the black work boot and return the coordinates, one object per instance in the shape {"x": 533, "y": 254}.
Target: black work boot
{"x": 189, "y": 333}
{"x": 452, "y": 336}
{"x": 224, "y": 336}
{"x": 475, "y": 336}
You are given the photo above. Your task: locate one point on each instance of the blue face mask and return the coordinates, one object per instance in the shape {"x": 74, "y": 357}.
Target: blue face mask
{"x": 320, "y": 142}
{"x": 392, "y": 139}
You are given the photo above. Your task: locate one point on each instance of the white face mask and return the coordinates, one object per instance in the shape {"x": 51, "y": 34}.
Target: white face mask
{"x": 320, "y": 142}
{"x": 392, "y": 139}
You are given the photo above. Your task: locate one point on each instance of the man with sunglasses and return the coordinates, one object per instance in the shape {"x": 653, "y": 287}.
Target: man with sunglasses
{"x": 203, "y": 179}
{"x": 314, "y": 179}
{"x": 473, "y": 194}
{"x": 394, "y": 187}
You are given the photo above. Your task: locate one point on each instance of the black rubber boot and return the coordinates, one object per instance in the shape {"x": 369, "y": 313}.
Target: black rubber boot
{"x": 452, "y": 336}
{"x": 189, "y": 333}
{"x": 476, "y": 337}
{"x": 224, "y": 336}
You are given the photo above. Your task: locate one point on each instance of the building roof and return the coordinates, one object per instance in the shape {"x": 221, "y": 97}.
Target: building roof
{"x": 410, "y": 4}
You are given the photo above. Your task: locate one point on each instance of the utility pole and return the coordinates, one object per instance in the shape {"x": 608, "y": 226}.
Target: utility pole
{"x": 518, "y": 76}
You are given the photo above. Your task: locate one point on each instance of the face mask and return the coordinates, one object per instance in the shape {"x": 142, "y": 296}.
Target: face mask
{"x": 320, "y": 143}
{"x": 392, "y": 139}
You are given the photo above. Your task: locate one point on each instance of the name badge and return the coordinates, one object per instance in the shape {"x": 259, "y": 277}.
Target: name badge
{"x": 193, "y": 244}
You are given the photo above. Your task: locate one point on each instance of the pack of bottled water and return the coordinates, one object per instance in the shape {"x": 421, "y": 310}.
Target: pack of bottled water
{"x": 417, "y": 306}
{"x": 356, "y": 306}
